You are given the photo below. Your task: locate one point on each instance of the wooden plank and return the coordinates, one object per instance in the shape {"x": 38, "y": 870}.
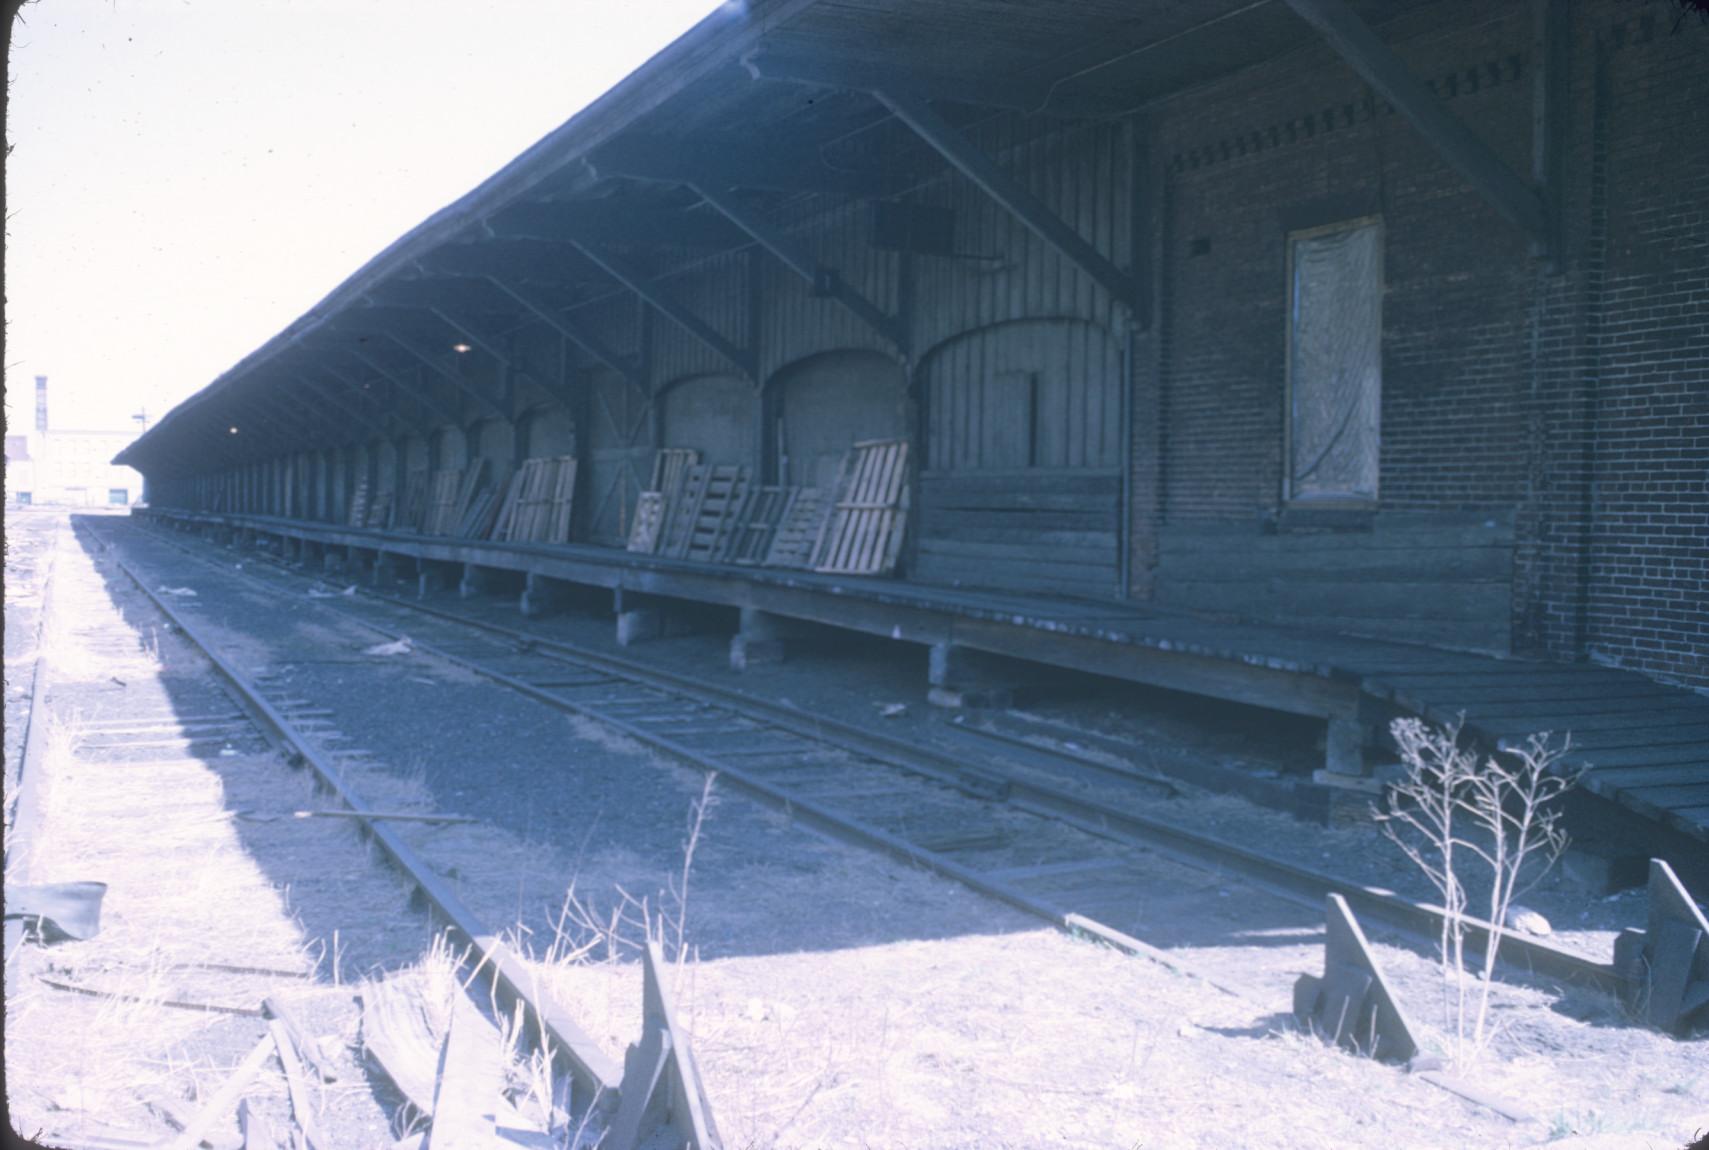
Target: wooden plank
{"x": 1623, "y": 777}
{"x": 223, "y": 1101}
{"x": 296, "y": 1083}
{"x": 798, "y": 532}
{"x": 397, "y": 1033}
{"x": 469, "y": 1086}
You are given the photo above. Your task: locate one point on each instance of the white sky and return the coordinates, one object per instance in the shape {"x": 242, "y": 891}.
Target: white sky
{"x": 188, "y": 176}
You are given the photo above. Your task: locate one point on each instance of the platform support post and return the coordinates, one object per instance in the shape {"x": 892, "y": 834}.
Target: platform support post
{"x": 763, "y": 638}
{"x": 543, "y": 596}
{"x": 432, "y": 576}
{"x": 388, "y": 568}
{"x": 962, "y": 677}
{"x": 477, "y": 581}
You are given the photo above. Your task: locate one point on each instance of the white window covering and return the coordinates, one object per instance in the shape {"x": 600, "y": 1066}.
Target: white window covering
{"x": 1335, "y": 363}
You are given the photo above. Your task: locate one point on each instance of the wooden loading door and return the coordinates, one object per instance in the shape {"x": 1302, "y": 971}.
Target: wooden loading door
{"x": 1022, "y": 482}
{"x": 620, "y": 455}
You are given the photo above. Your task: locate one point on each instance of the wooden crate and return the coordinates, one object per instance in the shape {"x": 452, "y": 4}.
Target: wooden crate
{"x": 798, "y": 531}
{"x": 443, "y": 489}
{"x": 869, "y": 511}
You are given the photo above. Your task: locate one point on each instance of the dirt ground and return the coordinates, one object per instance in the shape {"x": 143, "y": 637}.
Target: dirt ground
{"x": 836, "y": 999}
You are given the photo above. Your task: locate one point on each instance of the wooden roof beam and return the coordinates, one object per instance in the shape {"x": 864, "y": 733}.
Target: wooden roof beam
{"x": 412, "y": 420}
{"x": 417, "y": 390}
{"x": 732, "y": 163}
{"x": 833, "y": 71}
{"x": 967, "y": 158}
{"x": 604, "y": 222}
{"x": 467, "y": 387}
{"x": 350, "y": 410}
{"x": 824, "y": 280}
{"x": 1367, "y": 55}
{"x": 543, "y": 309}
{"x": 631, "y": 277}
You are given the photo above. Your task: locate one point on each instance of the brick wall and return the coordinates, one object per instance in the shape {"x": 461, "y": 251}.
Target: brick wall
{"x": 1574, "y": 392}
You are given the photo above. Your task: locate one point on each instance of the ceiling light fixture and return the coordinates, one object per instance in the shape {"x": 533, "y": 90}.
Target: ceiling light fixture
{"x": 460, "y": 348}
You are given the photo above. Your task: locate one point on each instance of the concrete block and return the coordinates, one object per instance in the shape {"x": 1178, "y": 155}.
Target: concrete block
{"x": 763, "y": 638}
{"x": 639, "y": 624}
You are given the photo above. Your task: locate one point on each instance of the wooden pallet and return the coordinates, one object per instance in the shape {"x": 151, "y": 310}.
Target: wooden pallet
{"x": 413, "y": 513}
{"x": 670, "y": 464}
{"x": 443, "y": 487}
{"x": 757, "y": 522}
{"x": 649, "y": 520}
{"x": 538, "y": 503}
{"x": 797, "y": 532}
{"x": 359, "y": 505}
{"x": 700, "y": 520}
{"x": 379, "y": 510}
{"x": 869, "y": 512}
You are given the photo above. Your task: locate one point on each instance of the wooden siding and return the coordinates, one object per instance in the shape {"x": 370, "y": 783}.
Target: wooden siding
{"x": 1035, "y": 530}
{"x": 1441, "y": 579}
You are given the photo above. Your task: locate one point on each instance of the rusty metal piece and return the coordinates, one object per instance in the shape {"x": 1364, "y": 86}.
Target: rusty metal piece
{"x": 1352, "y": 1003}
{"x": 1667, "y": 964}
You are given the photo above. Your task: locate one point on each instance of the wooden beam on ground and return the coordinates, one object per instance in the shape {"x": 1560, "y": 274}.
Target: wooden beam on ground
{"x": 631, "y": 277}
{"x": 1367, "y": 55}
{"x": 544, "y": 310}
{"x": 967, "y": 158}
{"x": 824, "y": 280}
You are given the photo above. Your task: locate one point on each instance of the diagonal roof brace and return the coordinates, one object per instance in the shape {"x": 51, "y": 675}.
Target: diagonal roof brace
{"x": 630, "y": 276}
{"x": 418, "y": 391}
{"x": 1367, "y": 55}
{"x": 357, "y": 390}
{"x": 795, "y": 256}
{"x": 543, "y": 309}
{"x": 967, "y": 158}
{"x": 467, "y": 387}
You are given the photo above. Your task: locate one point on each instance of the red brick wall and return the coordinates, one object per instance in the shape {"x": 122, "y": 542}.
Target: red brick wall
{"x": 1576, "y": 393}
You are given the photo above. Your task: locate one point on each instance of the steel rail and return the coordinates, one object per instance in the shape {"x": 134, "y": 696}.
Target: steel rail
{"x": 1421, "y": 922}
{"x": 26, "y": 812}
{"x": 598, "y": 1075}
{"x": 1303, "y": 885}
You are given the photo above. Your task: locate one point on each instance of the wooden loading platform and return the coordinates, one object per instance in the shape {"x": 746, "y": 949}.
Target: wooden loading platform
{"x": 1644, "y": 745}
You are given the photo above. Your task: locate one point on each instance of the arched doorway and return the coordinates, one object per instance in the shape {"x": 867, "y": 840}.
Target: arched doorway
{"x": 820, "y": 406}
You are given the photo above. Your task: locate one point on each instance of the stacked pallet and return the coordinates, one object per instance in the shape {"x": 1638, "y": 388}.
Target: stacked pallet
{"x": 538, "y": 506}
{"x": 359, "y": 505}
{"x": 716, "y": 514}
{"x": 379, "y": 510}
{"x": 413, "y": 512}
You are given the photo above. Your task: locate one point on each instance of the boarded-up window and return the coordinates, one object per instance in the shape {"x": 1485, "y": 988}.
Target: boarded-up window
{"x": 1335, "y": 366}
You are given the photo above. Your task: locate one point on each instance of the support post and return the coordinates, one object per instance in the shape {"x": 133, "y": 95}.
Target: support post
{"x": 962, "y": 677}
{"x": 543, "y": 596}
{"x": 763, "y": 638}
{"x": 478, "y": 581}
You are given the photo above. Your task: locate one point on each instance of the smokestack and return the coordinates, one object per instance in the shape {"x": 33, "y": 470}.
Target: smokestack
{"x": 41, "y": 403}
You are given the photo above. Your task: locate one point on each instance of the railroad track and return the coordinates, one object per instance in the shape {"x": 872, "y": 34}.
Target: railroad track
{"x": 1078, "y": 861}
{"x": 227, "y": 712}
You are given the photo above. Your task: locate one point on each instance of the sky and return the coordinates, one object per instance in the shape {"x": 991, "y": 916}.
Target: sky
{"x": 189, "y": 176}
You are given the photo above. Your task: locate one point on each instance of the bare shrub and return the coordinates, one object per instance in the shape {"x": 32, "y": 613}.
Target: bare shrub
{"x": 1454, "y": 814}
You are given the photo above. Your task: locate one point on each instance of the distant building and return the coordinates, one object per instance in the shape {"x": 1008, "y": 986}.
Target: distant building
{"x": 68, "y": 466}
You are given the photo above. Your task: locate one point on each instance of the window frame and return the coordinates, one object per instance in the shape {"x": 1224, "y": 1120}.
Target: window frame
{"x": 1290, "y": 499}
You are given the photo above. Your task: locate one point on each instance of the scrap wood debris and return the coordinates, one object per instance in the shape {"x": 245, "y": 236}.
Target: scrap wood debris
{"x": 399, "y": 647}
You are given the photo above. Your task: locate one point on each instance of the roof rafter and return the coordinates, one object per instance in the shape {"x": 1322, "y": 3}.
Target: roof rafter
{"x": 1367, "y": 55}
{"x": 661, "y": 301}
